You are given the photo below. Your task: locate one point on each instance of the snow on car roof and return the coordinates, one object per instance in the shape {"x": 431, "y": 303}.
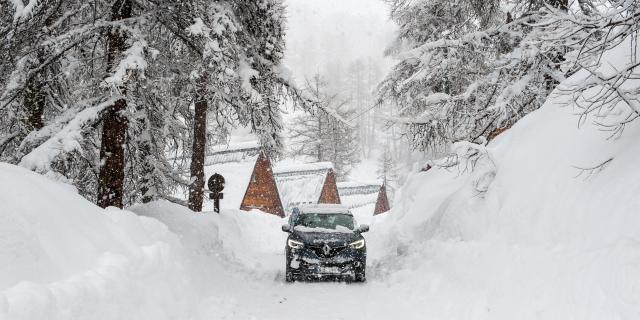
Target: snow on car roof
{"x": 324, "y": 209}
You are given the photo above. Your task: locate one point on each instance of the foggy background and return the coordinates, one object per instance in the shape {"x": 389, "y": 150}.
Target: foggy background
{"x": 332, "y": 33}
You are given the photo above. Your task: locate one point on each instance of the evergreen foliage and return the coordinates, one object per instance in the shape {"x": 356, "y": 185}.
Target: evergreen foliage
{"x": 65, "y": 77}
{"x": 469, "y": 69}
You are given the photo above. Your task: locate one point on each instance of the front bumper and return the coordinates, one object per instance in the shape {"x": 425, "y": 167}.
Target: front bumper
{"x": 305, "y": 263}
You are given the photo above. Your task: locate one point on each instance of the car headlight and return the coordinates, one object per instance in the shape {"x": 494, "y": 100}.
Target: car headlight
{"x": 294, "y": 244}
{"x": 357, "y": 244}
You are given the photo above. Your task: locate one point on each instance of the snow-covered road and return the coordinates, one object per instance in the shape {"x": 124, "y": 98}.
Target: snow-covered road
{"x": 243, "y": 274}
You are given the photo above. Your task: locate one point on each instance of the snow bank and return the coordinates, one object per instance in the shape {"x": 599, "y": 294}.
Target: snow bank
{"x": 526, "y": 234}
{"x": 248, "y": 241}
{"x": 61, "y": 257}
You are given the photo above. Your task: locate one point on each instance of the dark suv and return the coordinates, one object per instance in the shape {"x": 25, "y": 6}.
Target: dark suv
{"x": 324, "y": 242}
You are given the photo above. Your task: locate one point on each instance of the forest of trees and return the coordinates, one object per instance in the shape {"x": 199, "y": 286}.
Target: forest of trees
{"x": 469, "y": 69}
{"x": 106, "y": 95}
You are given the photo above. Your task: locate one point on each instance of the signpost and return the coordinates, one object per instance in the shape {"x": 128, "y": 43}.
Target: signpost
{"x": 216, "y": 185}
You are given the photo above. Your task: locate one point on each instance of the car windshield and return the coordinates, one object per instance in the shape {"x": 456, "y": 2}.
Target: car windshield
{"x": 325, "y": 221}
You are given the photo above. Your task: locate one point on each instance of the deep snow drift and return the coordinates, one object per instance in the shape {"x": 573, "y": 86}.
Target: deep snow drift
{"x": 62, "y": 257}
{"x": 519, "y": 237}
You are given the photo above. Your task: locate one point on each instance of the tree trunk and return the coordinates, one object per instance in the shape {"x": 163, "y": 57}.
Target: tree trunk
{"x": 35, "y": 94}
{"x": 146, "y": 165}
{"x": 34, "y": 101}
{"x": 196, "y": 188}
{"x": 114, "y": 125}
{"x": 557, "y": 56}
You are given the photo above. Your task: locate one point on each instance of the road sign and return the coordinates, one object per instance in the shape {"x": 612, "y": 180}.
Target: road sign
{"x": 216, "y": 185}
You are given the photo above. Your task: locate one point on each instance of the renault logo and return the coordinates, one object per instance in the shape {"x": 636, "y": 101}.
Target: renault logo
{"x": 326, "y": 249}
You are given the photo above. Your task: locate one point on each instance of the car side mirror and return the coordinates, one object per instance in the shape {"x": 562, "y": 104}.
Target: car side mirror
{"x": 363, "y": 228}
{"x": 286, "y": 228}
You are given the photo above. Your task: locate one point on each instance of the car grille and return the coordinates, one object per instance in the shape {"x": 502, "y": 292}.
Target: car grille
{"x": 320, "y": 251}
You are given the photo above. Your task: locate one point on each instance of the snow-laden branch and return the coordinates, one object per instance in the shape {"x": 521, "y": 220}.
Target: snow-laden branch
{"x": 246, "y": 73}
{"x": 471, "y": 158}
{"x": 305, "y": 100}
{"x": 23, "y": 11}
{"x": 66, "y": 140}
{"x": 133, "y": 59}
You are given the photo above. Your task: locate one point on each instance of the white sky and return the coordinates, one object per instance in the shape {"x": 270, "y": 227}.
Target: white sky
{"x": 336, "y": 31}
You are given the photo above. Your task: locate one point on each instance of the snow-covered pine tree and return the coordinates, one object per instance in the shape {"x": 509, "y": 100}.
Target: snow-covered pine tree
{"x": 360, "y": 81}
{"x": 388, "y": 172}
{"x": 467, "y": 68}
{"x": 319, "y": 135}
{"x": 470, "y": 69}
{"x": 345, "y": 144}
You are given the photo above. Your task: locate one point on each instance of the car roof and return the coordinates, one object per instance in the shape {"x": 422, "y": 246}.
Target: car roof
{"x": 324, "y": 209}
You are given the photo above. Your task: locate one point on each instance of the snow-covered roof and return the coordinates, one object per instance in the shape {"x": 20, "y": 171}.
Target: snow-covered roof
{"x": 324, "y": 209}
{"x": 359, "y": 200}
{"x": 235, "y": 146}
{"x": 301, "y": 183}
{"x": 355, "y": 194}
{"x": 237, "y": 152}
{"x": 305, "y": 168}
{"x": 233, "y": 152}
{"x": 347, "y": 188}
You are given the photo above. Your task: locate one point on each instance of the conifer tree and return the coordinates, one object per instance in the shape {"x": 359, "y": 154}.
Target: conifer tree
{"x": 320, "y": 136}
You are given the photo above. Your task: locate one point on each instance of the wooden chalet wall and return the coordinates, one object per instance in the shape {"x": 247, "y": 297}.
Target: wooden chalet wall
{"x": 382, "y": 204}
{"x": 262, "y": 191}
{"x": 329, "y": 192}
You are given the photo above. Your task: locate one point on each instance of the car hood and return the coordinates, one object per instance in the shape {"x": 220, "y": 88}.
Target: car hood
{"x": 330, "y": 238}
